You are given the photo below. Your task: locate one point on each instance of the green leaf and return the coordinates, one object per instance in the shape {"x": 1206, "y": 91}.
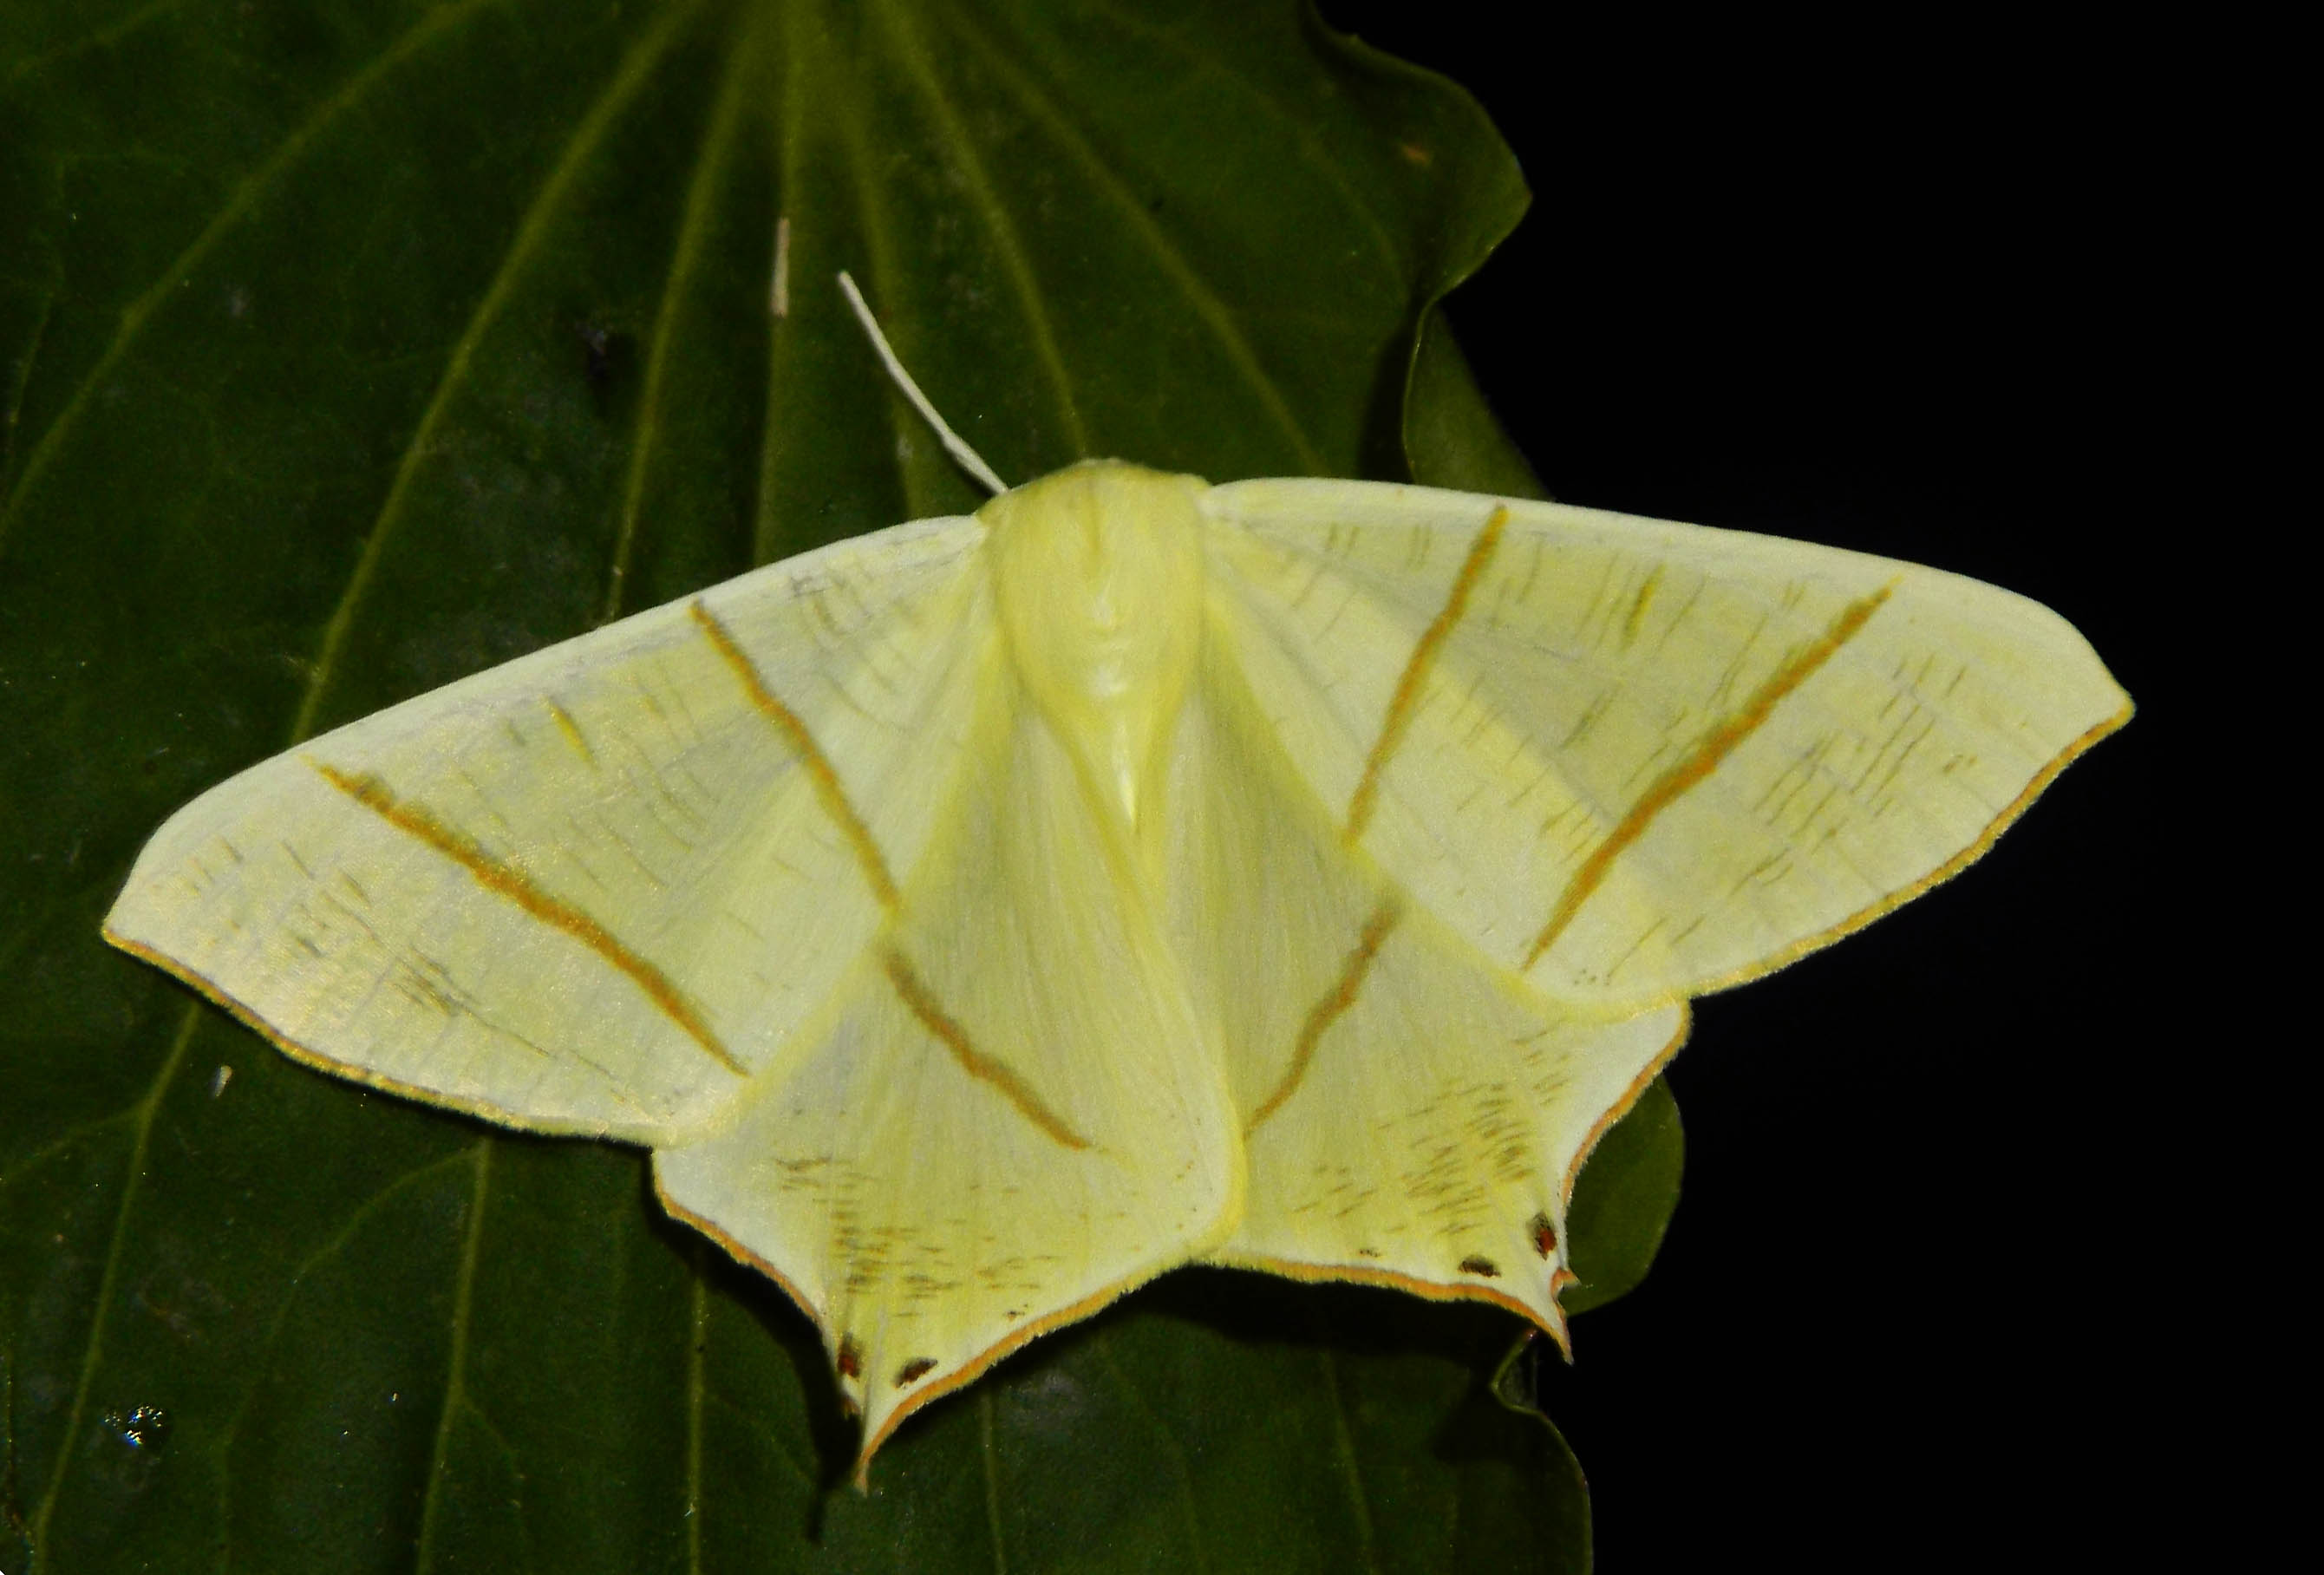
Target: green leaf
{"x": 1623, "y": 1202}
{"x": 1450, "y": 432}
{"x": 349, "y": 348}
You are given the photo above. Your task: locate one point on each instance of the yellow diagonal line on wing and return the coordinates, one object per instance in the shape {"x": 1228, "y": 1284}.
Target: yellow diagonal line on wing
{"x": 828, "y": 789}
{"x": 496, "y": 876}
{"x": 1713, "y": 747}
{"x": 1330, "y": 1007}
{"x": 948, "y": 1032}
{"x": 1406, "y": 699}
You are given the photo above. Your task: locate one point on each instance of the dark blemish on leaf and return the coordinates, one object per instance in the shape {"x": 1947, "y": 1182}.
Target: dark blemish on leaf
{"x": 851, "y": 1358}
{"x": 608, "y": 358}
{"x": 1544, "y": 1235}
{"x": 912, "y": 1371}
{"x": 1474, "y": 1264}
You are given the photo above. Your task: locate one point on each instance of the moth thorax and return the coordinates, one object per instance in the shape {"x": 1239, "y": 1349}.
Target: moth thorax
{"x": 1098, "y": 571}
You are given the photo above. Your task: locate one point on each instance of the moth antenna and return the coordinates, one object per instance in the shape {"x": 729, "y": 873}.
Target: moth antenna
{"x": 954, "y": 444}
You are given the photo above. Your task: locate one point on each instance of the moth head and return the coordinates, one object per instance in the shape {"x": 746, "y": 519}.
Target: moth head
{"x": 1098, "y": 572}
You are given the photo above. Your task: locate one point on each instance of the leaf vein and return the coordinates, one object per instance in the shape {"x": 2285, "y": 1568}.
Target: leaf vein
{"x": 697, "y": 1338}
{"x": 881, "y": 250}
{"x": 242, "y": 200}
{"x": 356, "y": 1219}
{"x": 1300, "y": 132}
{"x": 1182, "y": 1468}
{"x": 456, "y": 1365}
{"x": 709, "y": 163}
{"x": 1205, "y": 301}
{"x": 1344, "y": 1453}
{"x": 105, "y": 37}
{"x": 94, "y": 1352}
{"x": 636, "y": 67}
{"x": 988, "y": 1455}
{"x": 961, "y": 153}
{"x": 61, "y": 1142}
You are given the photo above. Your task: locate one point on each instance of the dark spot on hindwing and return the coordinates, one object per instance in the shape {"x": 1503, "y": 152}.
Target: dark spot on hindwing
{"x": 851, "y": 1358}
{"x": 912, "y": 1371}
{"x": 1544, "y": 1235}
{"x": 1475, "y": 1264}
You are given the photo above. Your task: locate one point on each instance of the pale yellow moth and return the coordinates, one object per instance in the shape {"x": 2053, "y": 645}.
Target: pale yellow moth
{"x": 981, "y": 916}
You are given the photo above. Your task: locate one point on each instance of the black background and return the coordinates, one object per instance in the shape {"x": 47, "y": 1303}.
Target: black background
{"x": 1887, "y": 293}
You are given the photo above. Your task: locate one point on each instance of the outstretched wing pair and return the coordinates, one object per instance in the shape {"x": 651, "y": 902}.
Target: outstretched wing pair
{"x": 792, "y": 883}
